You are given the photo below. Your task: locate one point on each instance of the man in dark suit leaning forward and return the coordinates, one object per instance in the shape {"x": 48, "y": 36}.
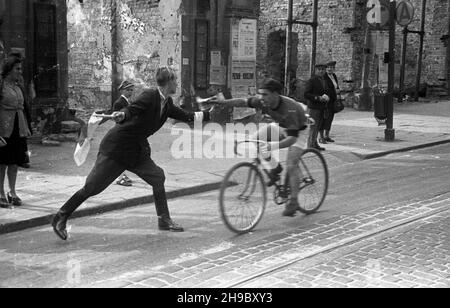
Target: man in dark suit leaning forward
{"x": 125, "y": 147}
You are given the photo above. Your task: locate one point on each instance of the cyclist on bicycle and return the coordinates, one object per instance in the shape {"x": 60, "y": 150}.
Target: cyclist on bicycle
{"x": 289, "y": 119}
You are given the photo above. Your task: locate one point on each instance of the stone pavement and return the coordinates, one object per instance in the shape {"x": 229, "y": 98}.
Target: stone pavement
{"x": 54, "y": 177}
{"x": 399, "y": 245}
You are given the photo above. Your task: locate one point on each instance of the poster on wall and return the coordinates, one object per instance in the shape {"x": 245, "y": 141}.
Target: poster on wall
{"x": 243, "y": 57}
{"x": 235, "y": 38}
{"x": 247, "y": 39}
{"x": 216, "y": 58}
{"x": 243, "y": 76}
{"x": 217, "y": 75}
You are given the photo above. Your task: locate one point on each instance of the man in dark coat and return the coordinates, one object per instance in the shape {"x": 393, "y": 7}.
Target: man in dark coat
{"x": 126, "y": 89}
{"x": 317, "y": 95}
{"x": 125, "y": 147}
{"x": 333, "y": 91}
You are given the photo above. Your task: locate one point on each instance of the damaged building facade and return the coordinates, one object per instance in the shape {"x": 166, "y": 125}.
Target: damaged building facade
{"x": 229, "y": 45}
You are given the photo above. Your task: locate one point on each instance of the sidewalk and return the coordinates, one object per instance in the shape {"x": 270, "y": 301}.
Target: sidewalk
{"x": 54, "y": 177}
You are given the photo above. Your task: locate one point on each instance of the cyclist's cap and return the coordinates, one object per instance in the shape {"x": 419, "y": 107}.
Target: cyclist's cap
{"x": 272, "y": 85}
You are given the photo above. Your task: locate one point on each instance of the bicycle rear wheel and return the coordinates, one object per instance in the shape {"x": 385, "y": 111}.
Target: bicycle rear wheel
{"x": 314, "y": 181}
{"x": 242, "y": 198}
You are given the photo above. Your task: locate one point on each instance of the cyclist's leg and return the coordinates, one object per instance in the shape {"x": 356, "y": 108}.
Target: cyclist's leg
{"x": 270, "y": 133}
{"x": 295, "y": 176}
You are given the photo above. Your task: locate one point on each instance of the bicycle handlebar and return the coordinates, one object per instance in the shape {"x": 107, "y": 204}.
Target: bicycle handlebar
{"x": 236, "y": 143}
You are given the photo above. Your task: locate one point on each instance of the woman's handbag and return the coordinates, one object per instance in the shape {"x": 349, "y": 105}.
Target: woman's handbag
{"x": 338, "y": 104}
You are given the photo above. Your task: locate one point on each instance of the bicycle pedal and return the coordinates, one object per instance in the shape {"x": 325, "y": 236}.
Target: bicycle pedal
{"x": 308, "y": 180}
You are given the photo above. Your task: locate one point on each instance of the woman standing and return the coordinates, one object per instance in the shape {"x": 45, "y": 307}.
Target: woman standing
{"x": 15, "y": 127}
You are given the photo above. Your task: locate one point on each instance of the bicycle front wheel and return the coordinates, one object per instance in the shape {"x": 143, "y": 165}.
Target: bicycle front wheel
{"x": 242, "y": 198}
{"x": 314, "y": 182}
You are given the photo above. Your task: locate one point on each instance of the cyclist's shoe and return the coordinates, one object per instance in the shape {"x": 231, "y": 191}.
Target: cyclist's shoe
{"x": 274, "y": 175}
{"x": 290, "y": 209}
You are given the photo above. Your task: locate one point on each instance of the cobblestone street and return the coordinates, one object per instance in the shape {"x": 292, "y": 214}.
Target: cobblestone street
{"x": 416, "y": 255}
{"x": 400, "y": 245}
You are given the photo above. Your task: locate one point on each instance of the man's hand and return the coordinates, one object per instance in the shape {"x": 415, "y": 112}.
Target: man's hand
{"x": 325, "y": 98}
{"x": 118, "y": 116}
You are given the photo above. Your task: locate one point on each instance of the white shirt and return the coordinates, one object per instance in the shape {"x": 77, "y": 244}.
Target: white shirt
{"x": 163, "y": 100}
{"x": 126, "y": 99}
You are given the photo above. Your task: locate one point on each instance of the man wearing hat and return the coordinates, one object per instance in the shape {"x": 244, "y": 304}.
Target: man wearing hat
{"x": 126, "y": 90}
{"x": 334, "y": 91}
{"x": 317, "y": 95}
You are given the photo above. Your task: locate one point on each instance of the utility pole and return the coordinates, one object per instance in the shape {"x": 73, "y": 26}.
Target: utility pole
{"x": 389, "y": 133}
{"x": 403, "y": 64}
{"x": 419, "y": 59}
{"x": 114, "y": 52}
{"x": 365, "y": 88}
{"x": 314, "y": 26}
{"x": 290, "y": 21}
{"x": 287, "y": 70}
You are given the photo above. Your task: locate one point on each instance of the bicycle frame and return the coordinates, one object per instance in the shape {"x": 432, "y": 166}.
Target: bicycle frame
{"x": 282, "y": 191}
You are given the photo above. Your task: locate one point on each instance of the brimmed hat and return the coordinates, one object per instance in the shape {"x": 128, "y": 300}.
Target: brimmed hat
{"x": 125, "y": 85}
{"x": 321, "y": 64}
{"x": 331, "y": 63}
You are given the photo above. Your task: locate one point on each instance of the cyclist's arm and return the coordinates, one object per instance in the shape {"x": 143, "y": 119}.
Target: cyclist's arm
{"x": 287, "y": 142}
{"x": 291, "y": 139}
{"x": 235, "y": 102}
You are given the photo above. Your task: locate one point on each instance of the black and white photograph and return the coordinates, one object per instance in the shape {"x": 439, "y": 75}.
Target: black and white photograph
{"x": 224, "y": 150}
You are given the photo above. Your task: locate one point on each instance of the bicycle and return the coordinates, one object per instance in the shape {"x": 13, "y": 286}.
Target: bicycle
{"x": 242, "y": 206}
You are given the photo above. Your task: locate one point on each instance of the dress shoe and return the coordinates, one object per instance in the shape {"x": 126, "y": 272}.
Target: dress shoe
{"x": 16, "y": 201}
{"x": 59, "y": 226}
{"x": 323, "y": 140}
{"x": 167, "y": 224}
{"x": 4, "y": 203}
{"x": 290, "y": 209}
{"x": 274, "y": 175}
{"x": 328, "y": 139}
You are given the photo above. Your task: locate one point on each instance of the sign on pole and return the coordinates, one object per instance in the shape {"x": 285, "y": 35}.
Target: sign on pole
{"x": 378, "y": 14}
{"x": 404, "y": 13}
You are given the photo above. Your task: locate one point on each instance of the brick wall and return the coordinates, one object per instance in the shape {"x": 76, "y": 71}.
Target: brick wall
{"x": 342, "y": 25}
{"x": 148, "y": 36}
{"x": 436, "y": 25}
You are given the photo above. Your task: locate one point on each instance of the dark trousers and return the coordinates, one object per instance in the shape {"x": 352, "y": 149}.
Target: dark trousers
{"x": 317, "y": 115}
{"x": 106, "y": 170}
{"x": 327, "y": 121}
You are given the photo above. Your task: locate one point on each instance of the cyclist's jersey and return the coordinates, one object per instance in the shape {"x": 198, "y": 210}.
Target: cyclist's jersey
{"x": 289, "y": 114}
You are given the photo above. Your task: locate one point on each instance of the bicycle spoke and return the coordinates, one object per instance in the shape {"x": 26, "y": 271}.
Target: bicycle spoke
{"x": 314, "y": 184}
{"x": 242, "y": 205}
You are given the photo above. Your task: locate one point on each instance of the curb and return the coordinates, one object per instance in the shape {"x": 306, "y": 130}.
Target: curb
{"x": 414, "y": 147}
{"x": 108, "y": 207}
